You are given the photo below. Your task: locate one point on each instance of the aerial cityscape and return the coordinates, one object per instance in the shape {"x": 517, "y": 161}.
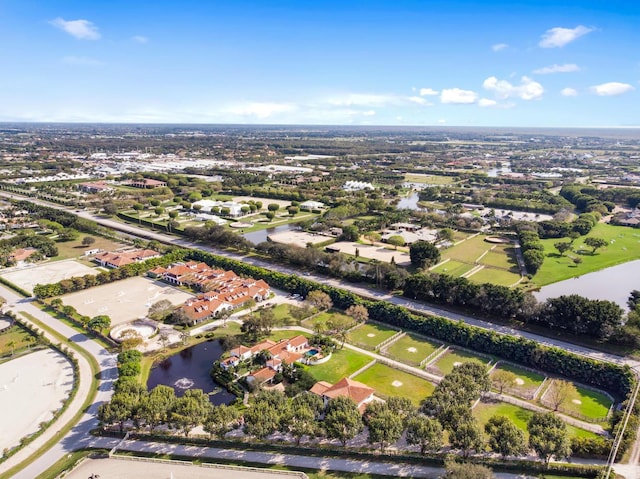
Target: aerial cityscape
{"x": 337, "y": 240}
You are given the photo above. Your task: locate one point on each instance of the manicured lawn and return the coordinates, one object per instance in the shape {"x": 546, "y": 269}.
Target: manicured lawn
{"x": 453, "y": 358}
{"x": 17, "y": 335}
{"x": 624, "y": 245}
{"x": 281, "y": 312}
{"x": 343, "y": 362}
{"x": 73, "y": 249}
{"x": 411, "y": 349}
{"x": 391, "y": 382}
{"x": 592, "y": 404}
{"x": 526, "y": 381}
{"x": 369, "y": 335}
{"x": 520, "y": 416}
{"x": 468, "y": 251}
{"x": 323, "y": 318}
{"x": 429, "y": 179}
{"x": 504, "y": 258}
{"x": 285, "y": 334}
{"x": 501, "y": 277}
{"x": 453, "y": 268}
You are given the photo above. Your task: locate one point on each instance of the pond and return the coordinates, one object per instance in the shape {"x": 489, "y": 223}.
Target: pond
{"x": 613, "y": 284}
{"x": 409, "y": 202}
{"x": 189, "y": 369}
{"x": 259, "y": 236}
{"x": 505, "y": 167}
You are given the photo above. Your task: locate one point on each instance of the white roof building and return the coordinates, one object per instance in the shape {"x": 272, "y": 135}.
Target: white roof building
{"x": 311, "y": 205}
{"x": 357, "y": 186}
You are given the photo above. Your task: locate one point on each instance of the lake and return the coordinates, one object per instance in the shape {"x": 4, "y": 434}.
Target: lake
{"x": 409, "y": 202}
{"x": 259, "y": 236}
{"x": 614, "y": 284}
{"x": 189, "y": 369}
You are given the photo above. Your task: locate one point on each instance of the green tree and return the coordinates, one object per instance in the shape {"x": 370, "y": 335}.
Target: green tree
{"x": 99, "y": 323}
{"x": 299, "y": 421}
{"x": 504, "y": 437}
{"x": 425, "y": 432}
{"x": 548, "y": 436}
{"x": 595, "y": 243}
{"x": 396, "y": 240}
{"x": 372, "y": 236}
{"x": 160, "y": 309}
{"x": 342, "y": 420}
{"x": 261, "y": 419}
{"x": 562, "y": 247}
{"x": 467, "y": 436}
{"x": 385, "y": 428}
{"x": 502, "y": 379}
{"x": 273, "y": 207}
{"x": 559, "y": 392}
{"x": 358, "y": 312}
{"x": 156, "y": 407}
{"x": 270, "y": 215}
{"x": 423, "y": 254}
{"x": 88, "y": 240}
{"x": 319, "y": 299}
{"x": 190, "y": 410}
{"x": 220, "y": 420}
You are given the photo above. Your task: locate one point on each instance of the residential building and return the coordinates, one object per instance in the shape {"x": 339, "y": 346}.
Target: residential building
{"x": 360, "y": 393}
{"x": 115, "y": 260}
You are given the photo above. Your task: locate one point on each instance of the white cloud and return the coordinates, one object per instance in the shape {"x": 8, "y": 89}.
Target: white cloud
{"x": 555, "y": 68}
{"x": 428, "y": 92}
{"x": 369, "y": 113}
{"x": 85, "y": 61}
{"x": 485, "y": 102}
{"x": 569, "y": 92}
{"x": 558, "y": 37}
{"x": 458, "y": 96}
{"x": 261, "y": 109}
{"x": 140, "y": 39}
{"x": 419, "y": 100}
{"x": 81, "y": 29}
{"x": 611, "y": 88}
{"x": 527, "y": 90}
{"x": 498, "y": 47}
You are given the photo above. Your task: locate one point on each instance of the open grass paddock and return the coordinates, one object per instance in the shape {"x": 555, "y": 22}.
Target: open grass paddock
{"x": 343, "y": 363}
{"x": 411, "y": 349}
{"x": 520, "y": 416}
{"x": 453, "y": 358}
{"x": 526, "y": 381}
{"x": 501, "y": 277}
{"x": 392, "y": 382}
{"x": 369, "y": 335}
{"x": 468, "y": 251}
{"x": 453, "y": 268}
{"x": 624, "y": 245}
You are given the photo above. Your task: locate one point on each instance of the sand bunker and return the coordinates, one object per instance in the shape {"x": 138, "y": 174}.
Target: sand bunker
{"x": 412, "y": 350}
{"x": 576, "y": 401}
{"x": 519, "y": 381}
{"x": 457, "y": 363}
{"x": 371, "y": 335}
{"x": 396, "y": 384}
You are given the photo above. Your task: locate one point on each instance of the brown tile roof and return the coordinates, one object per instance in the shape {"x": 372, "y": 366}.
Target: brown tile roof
{"x": 350, "y": 388}
{"x": 263, "y": 375}
{"x": 320, "y": 387}
{"x": 22, "y": 253}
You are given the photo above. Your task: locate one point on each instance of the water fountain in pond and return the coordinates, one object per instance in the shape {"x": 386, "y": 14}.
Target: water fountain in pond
{"x": 183, "y": 383}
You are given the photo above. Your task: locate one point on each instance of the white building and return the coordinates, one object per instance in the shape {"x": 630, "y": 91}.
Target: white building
{"x": 235, "y": 209}
{"x": 357, "y": 186}
{"x": 311, "y": 205}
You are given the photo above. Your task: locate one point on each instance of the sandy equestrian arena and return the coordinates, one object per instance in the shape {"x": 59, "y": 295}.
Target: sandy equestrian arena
{"x": 124, "y": 300}
{"x": 298, "y": 238}
{"x": 115, "y": 468}
{"x": 32, "y": 387}
{"x": 47, "y": 273}
{"x": 372, "y": 252}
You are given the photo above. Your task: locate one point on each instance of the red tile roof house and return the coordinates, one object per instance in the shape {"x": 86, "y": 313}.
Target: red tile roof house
{"x": 21, "y": 254}
{"x": 360, "y": 393}
{"x": 115, "y": 260}
{"x": 284, "y": 351}
{"x": 95, "y": 187}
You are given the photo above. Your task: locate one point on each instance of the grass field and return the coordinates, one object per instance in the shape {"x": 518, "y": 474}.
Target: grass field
{"x": 453, "y": 358}
{"x": 624, "y": 245}
{"x": 592, "y": 404}
{"x": 343, "y": 362}
{"x": 501, "y": 258}
{"x": 369, "y": 335}
{"x": 502, "y": 277}
{"x": 281, "y": 312}
{"x": 526, "y": 382}
{"x": 453, "y": 268}
{"x": 75, "y": 249}
{"x": 520, "y": 416}
{"x": 429, "y": 179}
{"x": 16, "y": 335}
{"x": 285, "y": 334}
{"x": 468, "y": 251}
{"x": 411, "y": 349}
{"x": 391, "y": 382}
{"x": 323, "y": 318}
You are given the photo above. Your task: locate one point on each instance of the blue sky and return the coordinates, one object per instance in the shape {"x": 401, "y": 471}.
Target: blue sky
{"x": 489, "y": 63}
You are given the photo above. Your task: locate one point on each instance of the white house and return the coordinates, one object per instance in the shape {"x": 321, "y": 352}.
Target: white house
{"x": 357, "y": 186}
{"x": 311, "y": 205}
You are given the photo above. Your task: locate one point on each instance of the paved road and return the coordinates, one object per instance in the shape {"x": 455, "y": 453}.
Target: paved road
{"x": 78, "y": 436}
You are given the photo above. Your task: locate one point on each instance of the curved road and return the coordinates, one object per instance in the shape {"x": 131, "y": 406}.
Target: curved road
{"x": 79, "y": 436}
